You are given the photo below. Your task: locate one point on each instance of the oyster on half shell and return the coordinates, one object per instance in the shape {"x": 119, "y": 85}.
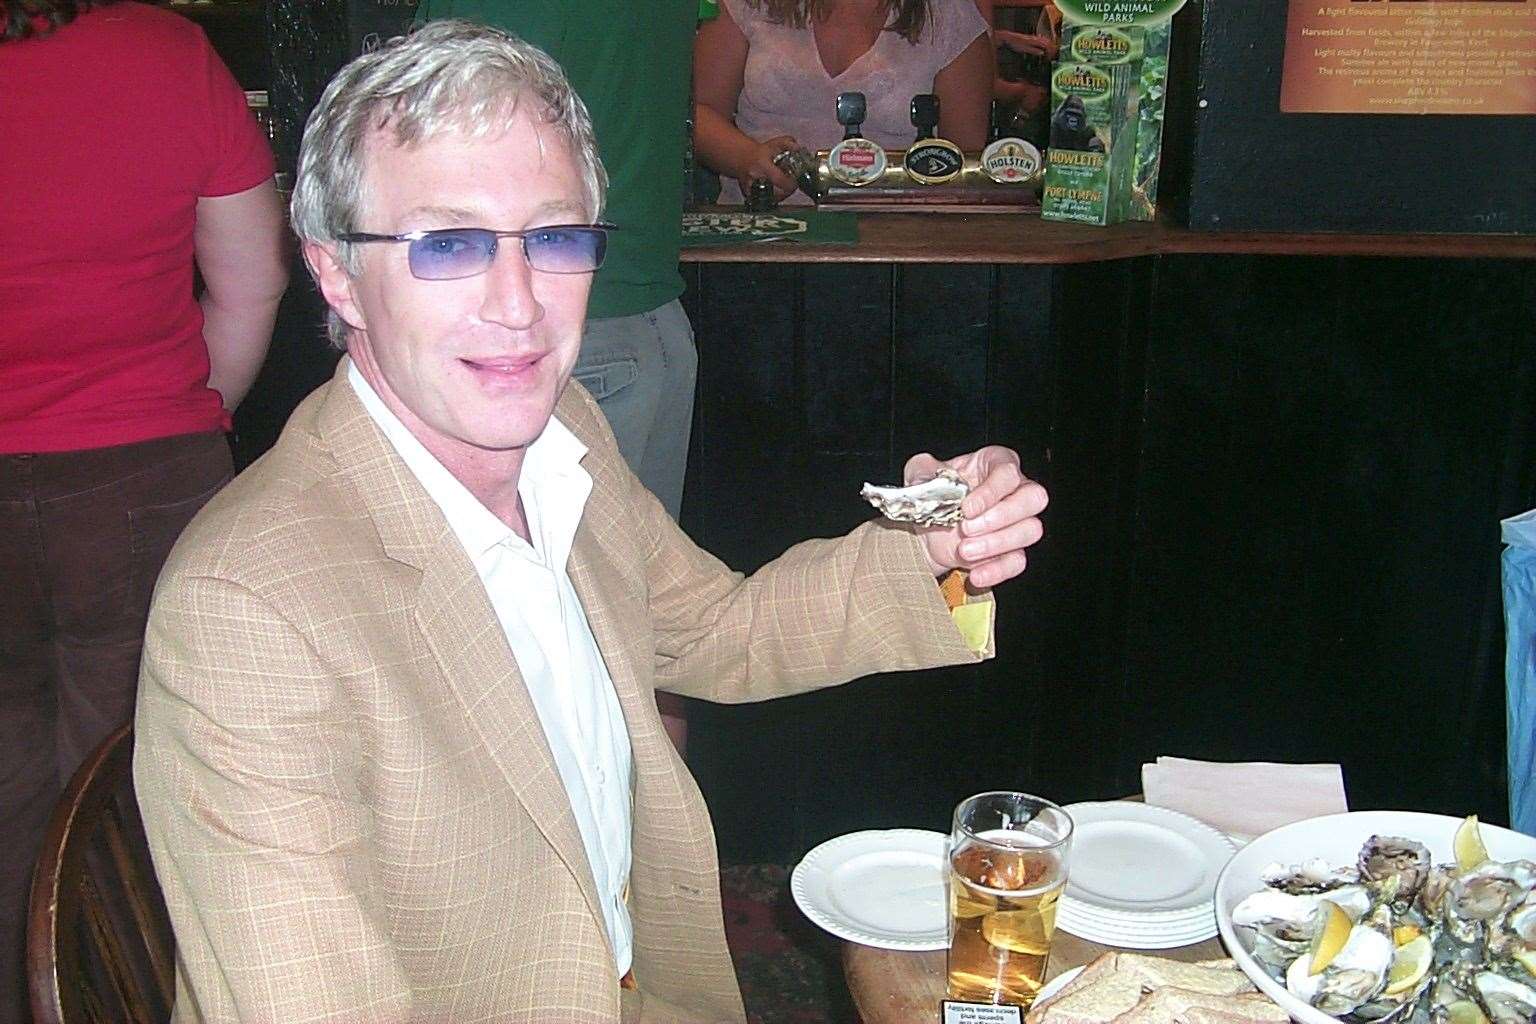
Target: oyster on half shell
{"x": 933, "y": 502}
{"x": 1356, "y": 974}
{"x": 1393, "y": 857}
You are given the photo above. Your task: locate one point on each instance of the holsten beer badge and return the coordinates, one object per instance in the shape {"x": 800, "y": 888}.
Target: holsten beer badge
{"x": 856, "y": 161}
{"x": 1011, "y": 161}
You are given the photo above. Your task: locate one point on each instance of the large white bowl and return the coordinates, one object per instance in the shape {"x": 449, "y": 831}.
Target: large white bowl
{"x": 1337, "y": 839}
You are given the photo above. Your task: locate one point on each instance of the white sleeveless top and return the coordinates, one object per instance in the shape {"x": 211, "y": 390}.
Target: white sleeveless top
{"x": 786, "y": 90}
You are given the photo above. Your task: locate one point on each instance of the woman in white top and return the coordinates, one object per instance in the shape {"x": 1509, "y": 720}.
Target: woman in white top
{"x": 767, "y": 74}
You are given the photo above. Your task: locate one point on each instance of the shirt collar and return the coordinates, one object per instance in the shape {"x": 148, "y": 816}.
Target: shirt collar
{"x": 553, "y": 460}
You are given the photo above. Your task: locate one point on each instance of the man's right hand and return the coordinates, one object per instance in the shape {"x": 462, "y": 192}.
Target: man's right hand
{"x": 759, "y": 164}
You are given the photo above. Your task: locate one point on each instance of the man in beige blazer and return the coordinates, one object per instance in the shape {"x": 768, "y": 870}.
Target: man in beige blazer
{"x": 376, "y": 769}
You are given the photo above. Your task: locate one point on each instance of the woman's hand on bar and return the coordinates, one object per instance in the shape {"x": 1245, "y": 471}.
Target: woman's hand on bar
{"x": 1002, "y": 516}
{"x": 758, "y": 163}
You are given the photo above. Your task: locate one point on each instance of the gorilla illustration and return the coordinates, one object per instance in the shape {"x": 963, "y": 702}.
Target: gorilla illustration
{"x": 1070, "y": 128}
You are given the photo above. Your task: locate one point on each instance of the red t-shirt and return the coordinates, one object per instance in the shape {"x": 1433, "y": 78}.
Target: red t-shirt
{"x": 111, "y": 129}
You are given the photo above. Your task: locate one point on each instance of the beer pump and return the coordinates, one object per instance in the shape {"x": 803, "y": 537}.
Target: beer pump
{"x": 855, "y": 160}
{"x": 931, "y": 160}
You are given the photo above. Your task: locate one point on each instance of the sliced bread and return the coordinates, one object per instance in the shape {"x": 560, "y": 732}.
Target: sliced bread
{"x": 1170, "y": 1005}
{"x": 1092, "y": 971}
{"x": 1217, "y": 977}
{"x": 1103, "y": 999}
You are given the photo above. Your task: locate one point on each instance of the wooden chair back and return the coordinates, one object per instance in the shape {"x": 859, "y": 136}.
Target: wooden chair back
{"x": 99, "y": 943}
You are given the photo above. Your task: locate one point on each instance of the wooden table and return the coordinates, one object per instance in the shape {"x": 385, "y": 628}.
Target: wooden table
{"x": 895, "y": 987}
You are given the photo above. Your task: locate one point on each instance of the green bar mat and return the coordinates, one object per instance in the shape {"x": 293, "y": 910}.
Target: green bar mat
{"x": 700, "y": 229}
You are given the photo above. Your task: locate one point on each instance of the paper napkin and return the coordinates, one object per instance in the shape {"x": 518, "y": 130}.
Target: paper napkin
{"x": 1244, "y": 799}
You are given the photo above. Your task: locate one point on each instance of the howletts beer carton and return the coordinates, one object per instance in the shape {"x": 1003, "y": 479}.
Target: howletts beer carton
{"x": 1092, "y": 148}
{"x": 1107, "y": 98}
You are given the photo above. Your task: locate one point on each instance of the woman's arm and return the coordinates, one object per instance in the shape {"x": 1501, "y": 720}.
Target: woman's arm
{"x": 241, "y": 251}
{"x": 719, "y": 65}
{"x": 964, "y": 88}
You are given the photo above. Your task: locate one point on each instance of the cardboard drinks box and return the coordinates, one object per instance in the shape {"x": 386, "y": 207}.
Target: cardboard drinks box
{"x": 1107, "y": 99}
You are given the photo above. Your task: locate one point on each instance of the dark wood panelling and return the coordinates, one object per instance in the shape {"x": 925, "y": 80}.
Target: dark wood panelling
{"x": 1326, "y": 460}
{"x": 1273, "y": 534}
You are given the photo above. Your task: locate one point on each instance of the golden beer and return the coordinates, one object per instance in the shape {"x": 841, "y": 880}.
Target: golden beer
{"x": 1003, "y": 888}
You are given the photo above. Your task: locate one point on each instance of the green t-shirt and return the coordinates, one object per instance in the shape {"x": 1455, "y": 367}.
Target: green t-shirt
{"x": 629, "y": 60}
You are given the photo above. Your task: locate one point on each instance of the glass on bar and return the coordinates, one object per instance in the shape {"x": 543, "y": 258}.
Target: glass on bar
{"x": 1008, "y": 858}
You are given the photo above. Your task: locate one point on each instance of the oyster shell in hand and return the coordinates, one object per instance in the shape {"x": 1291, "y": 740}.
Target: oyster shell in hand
{"x": 933, "y": 502}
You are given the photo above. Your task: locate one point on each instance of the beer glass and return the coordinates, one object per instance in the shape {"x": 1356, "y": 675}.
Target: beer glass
{"x": 1008, "y": 855}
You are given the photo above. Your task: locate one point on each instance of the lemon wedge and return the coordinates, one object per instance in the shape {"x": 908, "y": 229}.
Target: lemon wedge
{"x": 1465, "y": 1011}
{"x": 1332, "y": 932}
{"x": 1468, "y": 844}
{"x": 1405, "y": 933}
{"x": 1409, "y": 965}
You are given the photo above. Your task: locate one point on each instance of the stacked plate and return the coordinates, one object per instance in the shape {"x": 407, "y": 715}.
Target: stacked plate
{"x": 1141, "y": 877}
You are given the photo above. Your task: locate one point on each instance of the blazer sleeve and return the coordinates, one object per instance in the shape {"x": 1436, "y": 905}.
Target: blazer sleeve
{"x": 824, "y": 612}
{"x": 244, "y": 768}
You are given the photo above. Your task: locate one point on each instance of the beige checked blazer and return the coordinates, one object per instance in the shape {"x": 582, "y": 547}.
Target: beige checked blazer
{"x": 353, "y": 810}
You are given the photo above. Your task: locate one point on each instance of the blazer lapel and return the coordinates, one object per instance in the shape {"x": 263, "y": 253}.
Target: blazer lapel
{"x": 458, "y": 625}
{"x": 466, "y": 639}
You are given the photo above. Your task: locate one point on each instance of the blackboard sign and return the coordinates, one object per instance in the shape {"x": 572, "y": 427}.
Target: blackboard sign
{"x": 1252, "y": 167}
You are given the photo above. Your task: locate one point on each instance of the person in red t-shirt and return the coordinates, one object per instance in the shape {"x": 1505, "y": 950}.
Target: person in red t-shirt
{"x": 128, "y": 155}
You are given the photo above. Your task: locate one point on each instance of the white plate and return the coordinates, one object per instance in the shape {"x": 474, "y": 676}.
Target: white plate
{"x": 1057, "y": 983}
{"x": 1206, "y": 925}
{"x": 1148, "y": 861}
{"x": 1085, "y": 910}
{"x": 882, "y": 888}
{"x": 1168, "y": 936}
{"x": 1121, "y": 941}
{"x": 1337, "y": 839}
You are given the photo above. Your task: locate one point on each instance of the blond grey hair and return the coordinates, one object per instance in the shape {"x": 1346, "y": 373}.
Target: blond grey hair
{"x": 446, "y": 75}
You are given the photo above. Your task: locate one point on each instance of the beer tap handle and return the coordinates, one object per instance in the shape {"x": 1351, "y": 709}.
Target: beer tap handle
{"x": 925, "y": 115}
{"x": 850, "y": 113}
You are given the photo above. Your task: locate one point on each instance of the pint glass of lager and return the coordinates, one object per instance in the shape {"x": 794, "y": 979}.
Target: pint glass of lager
{"x": 1008, "y": 855}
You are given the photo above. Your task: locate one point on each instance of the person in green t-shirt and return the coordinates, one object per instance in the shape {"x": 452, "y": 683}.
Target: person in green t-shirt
{"x": 630, "y": 63}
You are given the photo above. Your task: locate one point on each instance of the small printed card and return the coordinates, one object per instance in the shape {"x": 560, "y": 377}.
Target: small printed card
{"x": 956, "y": 1012}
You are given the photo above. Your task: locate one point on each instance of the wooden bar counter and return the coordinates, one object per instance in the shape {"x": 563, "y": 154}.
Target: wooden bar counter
{"x": 1023, "y": 238}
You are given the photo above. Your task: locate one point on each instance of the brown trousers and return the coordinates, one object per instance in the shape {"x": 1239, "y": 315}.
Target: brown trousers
{"x": 82, "y": 538}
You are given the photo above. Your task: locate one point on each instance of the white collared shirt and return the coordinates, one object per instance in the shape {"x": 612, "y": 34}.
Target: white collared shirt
{"x": 548, "y": 633}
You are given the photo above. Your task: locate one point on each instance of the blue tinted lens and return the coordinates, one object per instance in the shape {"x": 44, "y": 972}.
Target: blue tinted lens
{"x": 565, "y": 250}
{"x": 445, "y": 255}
